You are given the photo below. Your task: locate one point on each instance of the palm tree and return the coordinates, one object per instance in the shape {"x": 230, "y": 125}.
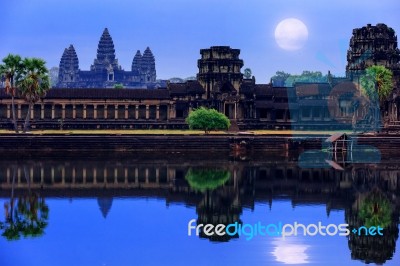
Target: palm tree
{"x": 11, "y": 69}
{"x": 376, "y": 85}
{"x": 34, "y": 84}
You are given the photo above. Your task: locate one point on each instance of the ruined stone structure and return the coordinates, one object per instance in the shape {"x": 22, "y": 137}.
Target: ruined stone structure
{"x": 376, "y": 45}
{"x": 335, "y": 104}
{"x": 372, "y": 45}
{"x": 105, "y": 71}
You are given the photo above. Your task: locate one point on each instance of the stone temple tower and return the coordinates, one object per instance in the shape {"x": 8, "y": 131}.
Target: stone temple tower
{"x": 148, "y": 66}
{"x": 137, "y": 62}
{"x": 105, "y": 72}
{"x": 219, "y": 70}
{"x": 372, "y": 45}
{"x": 105, "y": 54}
{"x": 69, "y": 66}
{"x": 145, "y": 66}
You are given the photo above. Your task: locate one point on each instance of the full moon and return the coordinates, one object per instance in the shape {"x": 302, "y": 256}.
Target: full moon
{"x": 291, "y": 34}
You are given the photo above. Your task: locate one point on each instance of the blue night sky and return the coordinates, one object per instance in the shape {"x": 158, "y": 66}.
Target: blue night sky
{"x": 176, "y": 30}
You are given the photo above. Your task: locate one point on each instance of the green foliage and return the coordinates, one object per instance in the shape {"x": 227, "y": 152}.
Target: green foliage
{"x": 282, "y": 78}
{"x": 375, "y": 210}
{"x": 118, "y": 86}
{"x": 207, "y": 119}
{"x": 34, "y": 83}
{"x": 377, "y": 83}
{"x": 11, "y": 70}
{"x": 247, "y": 73}
{"x": 206, "y": 179}
{"x": 28, "y": 219}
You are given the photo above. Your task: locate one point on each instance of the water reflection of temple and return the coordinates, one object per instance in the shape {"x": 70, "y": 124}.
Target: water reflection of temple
{"x": 255, "y": 181}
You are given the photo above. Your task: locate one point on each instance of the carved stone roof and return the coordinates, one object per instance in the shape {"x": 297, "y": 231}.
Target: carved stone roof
{"x": 263, "y": 90}
{"x": 189, "y": 87}
{"x": 312, "y": 89}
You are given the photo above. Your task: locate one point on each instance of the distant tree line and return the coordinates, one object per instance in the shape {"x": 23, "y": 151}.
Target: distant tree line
{"x": 283, "y": 79}
{"x": 181, "y": 80}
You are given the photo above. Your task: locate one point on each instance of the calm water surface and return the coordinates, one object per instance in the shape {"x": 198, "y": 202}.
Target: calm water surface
{"x": 134, "y": 209}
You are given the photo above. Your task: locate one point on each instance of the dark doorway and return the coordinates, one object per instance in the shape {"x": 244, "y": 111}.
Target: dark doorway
{"x": 230, "y": 111}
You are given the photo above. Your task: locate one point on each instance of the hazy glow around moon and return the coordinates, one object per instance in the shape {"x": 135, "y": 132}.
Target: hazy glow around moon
{"x": 291, "y": 34}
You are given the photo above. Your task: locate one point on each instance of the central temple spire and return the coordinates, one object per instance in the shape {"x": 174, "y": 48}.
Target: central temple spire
{"x": 105, "y": 48}
{"x": 105, "y": 53}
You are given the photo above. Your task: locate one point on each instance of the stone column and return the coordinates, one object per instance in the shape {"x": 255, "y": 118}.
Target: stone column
{"x": 73, "y": 175}
{"x": 19, "y": 176}
{"x": 171, "y": 111}
{"x": 105, "y": 111}
{"x": 63, "y": 175}
{"x": 126, "y": 111}
{"x": 52, "y": 175}
{"x": 94, "y": 175}
{"x": 42, "y": 111}
{"x": 95, "y": 111}
{"x": 157, "y": 175}
{"x": 116, "y": 112}
{"x": 146, "y": 175}
{"x": 41, "y": 176}
{"x": 53, "y": 111}
{"x": 32, "y": 111}
{"x": 126, "y": 175}
{"x": 19, "y": 111}
{"x": 136, "y": 111}
{"x": 147, "y": 111}
{"x": 8, "y": 175}
{"x": 136, "y": 176}
{"x": 84, "y": 111}
{"x": 63, "y": 111}
{"x": 84, "y": 175}
{"x": 158, "y": 112}
{"x": 73, "y": 111}
{"x": 9, "y": 111}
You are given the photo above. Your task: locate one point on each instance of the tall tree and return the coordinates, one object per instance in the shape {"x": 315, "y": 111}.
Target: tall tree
{"x": 34, "y": 83}
{"x": 11, "y": 70}
{"x": 207, "y": 119}
{"x": 376, "y": 85}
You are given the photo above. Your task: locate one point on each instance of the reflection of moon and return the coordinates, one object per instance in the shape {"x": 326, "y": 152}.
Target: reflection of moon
{"x": 291, "y": 34}
{"x": 290, "y": 253}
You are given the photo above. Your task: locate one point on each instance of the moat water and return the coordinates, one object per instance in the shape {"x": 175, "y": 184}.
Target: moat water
{"x": 138, "y": 209}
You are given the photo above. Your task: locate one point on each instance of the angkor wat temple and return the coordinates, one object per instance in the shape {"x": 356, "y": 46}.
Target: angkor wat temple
{"x": 105, "y": 71}
{"x": 220, "y": 84}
